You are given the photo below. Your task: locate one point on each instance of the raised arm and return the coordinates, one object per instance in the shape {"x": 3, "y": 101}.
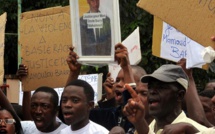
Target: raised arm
{"x": 4, "y": 102}
{"x": 21, "y": 73}
{"x": 194, "y": 107}
{"x": 121, "y": 56}
{"x": 73, "y": 65}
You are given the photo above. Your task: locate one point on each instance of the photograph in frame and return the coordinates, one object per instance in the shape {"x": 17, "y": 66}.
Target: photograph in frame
{"x": 95, "y": 29}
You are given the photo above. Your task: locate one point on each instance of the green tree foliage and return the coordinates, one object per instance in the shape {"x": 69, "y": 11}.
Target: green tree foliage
{"x": 131, "y": 16}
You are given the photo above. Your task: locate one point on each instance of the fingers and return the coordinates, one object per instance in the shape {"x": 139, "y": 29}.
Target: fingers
{"x": 119, "y": 46}
{"x": 131, "y": 91}
{"x": 108, "y": 75}
{"x": 182, "y": 62}
{"x": 23, "y": 70}
{"x": 213, "y": 38}
{"x": 121, "y": 55}
{"x": 72, "y": 57}
{"x": 130, "y": 109}
{"x": 108, "y": 82}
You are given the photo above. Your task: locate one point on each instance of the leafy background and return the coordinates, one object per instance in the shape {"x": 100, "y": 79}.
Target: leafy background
{"x": 131, "y": 17}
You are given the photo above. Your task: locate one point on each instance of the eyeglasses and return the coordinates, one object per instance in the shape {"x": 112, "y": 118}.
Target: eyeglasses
{"x": 7, "y": 121}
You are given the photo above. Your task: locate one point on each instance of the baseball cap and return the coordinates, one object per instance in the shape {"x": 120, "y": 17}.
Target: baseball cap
{"x": 168, "y": 73}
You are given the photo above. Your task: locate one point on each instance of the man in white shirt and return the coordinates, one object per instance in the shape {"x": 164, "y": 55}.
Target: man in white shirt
{"x": 44, "y": 109}
{"x": 76, "y": 102}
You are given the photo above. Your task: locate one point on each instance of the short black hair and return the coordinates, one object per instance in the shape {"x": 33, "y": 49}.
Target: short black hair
{"x": 88, "y": 90}
{"x": 51, "y": 91}
{"x": 207, "y": 93}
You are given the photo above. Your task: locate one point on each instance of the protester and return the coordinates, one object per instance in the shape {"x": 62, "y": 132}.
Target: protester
{"x": 76, "y": 102}
{"x": 206, "y": 100}
{"x": 44, "y": 109}
{"x": 8, "y": 123}
{"x": 195, "y": 110}
{"x": 167, "y": 86}
{"x": 9, "y": 120}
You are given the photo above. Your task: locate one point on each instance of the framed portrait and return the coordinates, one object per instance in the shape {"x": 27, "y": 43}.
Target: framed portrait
{"x": 95, "y": 29}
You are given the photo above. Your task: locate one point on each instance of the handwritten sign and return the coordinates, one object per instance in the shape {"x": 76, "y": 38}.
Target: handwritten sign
{"x": 45, "y": 38}
{"x": 95, "y": 80}
{"x": 170, "y": 44}
{"x": 2, "y": 38}
{"x": 194, "y": 18}
{"x": 173, "y": 43}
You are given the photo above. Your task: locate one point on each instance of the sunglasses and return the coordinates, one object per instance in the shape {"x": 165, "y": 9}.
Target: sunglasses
{"x": 7, "y": 121}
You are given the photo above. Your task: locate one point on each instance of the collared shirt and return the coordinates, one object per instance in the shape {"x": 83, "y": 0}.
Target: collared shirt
{"x": 181, "y": 118}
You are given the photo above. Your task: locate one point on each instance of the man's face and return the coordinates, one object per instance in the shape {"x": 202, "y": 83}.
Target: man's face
{"x": 42, "y": 111}
{"x": 75, "y": 106}
{"x": 162, "y": 98}
{"x": 94, "y": 5}
{"x": 207, "y": 105}
{"x": 4, "y": 127}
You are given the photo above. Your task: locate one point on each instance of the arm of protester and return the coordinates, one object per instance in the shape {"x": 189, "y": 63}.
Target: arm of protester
{"x": 4, "y": 102}
{"x": 73, "y": 64}
{"x": 194, "y": 107}
{"x": 21, "y": 73}
{"x": 121, "y": 56}
{"x": 179, "y": 128}
{"x": 108, "y": 86}
{"x": 134, "y": 110}
{"x": 109, "y": 100}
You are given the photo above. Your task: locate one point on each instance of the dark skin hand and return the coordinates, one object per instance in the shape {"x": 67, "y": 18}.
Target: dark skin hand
{"x": 73, "y": 65}
{"x": 213, "y": 38}
{"x": 72, "y": 60}
{"x": 22, "y": 71}
{"x": 108, "y": 86}
{"x": 134, "y": 110}
{"x": 121, "y": 55}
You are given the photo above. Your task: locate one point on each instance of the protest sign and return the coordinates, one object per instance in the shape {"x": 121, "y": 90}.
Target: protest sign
{"x": 45, "y": 38}
{"x": 194, "y": 18}
{"x": 170, "y": 44}
{"x": 3, "y": 19}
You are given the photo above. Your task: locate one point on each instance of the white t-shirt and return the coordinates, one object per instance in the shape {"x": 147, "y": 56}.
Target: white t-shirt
{"x": 29, "y": 127}
{"x": 90, "y": 128}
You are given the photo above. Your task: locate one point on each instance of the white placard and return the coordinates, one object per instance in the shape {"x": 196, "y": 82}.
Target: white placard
{"x": 175, "y": 45}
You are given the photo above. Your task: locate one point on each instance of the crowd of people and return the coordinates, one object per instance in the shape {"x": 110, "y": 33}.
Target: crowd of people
{"x": 164, "y": 102}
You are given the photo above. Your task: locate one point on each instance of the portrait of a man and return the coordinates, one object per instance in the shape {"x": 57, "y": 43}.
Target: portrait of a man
{"x": 95, "y": 30}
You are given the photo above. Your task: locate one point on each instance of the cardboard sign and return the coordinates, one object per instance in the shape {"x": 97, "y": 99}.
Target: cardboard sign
{"x": 45, "y": 38}
{"x": 194, "y": 18}
{"x": 3, "y": 18}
